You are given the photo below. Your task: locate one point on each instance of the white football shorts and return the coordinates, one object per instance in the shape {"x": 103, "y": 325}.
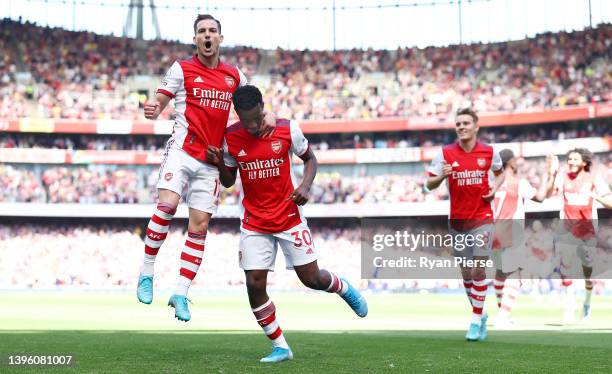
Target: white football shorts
{"x": 257, "y": 251}
{"x": 196, "y": 181}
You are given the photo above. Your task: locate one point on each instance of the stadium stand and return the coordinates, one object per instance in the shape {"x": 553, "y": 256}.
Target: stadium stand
{"x": 109, "y": 184}
{"x": 550, "y": 70}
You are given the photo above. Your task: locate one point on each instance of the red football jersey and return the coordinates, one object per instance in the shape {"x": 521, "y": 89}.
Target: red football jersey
{"x": 510, "y": 198}
{"x": 578, "y": 208}
{"x": 469, "y": 181}
{"x": 203, "y": 99}
{"x": 266, "y": 174}
{"x": 509, "y": 205}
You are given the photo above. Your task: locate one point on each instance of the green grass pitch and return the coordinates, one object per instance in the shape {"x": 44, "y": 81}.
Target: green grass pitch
{"x": 404, "y": 333}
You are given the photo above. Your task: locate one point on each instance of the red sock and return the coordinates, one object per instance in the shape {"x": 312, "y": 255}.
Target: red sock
{"x": 499, "y": 290}
{"x": 191, "y": 258}
{"x": 467, "y": 283}
{"x": 336, "y": 285}
{"x": 266, "y": 317}
{"x": 479, "y": 292}
{"x": 157, "y": 230}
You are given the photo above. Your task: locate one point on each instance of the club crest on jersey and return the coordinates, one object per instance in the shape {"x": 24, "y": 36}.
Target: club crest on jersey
{"x": 230, "y": 81}
{"x": 168, "y": 176}
{"x": 481, "y": 162}
{"x": 277, "y": 146}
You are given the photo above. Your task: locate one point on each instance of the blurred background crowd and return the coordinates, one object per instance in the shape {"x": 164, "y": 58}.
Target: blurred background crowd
{"x": 114, "y": 184}
{"x": 72, "y": 255}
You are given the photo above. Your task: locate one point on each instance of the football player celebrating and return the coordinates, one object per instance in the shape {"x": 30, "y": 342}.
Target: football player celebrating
{"x": 271, "y": 211}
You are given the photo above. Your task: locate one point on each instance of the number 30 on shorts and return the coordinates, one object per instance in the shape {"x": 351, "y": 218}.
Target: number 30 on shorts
{"x": 302, "y": 237}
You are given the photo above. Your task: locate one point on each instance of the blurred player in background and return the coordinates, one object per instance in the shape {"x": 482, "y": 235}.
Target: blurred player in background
{"x": 543, "y": 265}
{"x": 466, "y": 165}
{"x": 579, "y": 189}
{"x": 271, "y": 211}
{"x": 202, "y": 88}
{"x": 509, "y": 251}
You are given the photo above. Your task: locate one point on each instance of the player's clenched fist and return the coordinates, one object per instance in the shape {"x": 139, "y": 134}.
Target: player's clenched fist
{"x": 214, "y": 155}
{"x": 489, "y": 196}
{"x": 151, "y": 111}
{"x": 300, "y": 196}
{"x": 552, "y": 163}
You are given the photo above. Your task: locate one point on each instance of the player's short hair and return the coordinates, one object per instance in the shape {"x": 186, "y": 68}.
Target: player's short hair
{"x": 202, "y": 17}
{"x": 247, "y": 97}
{"x": 468, "y": 111}
{"x": 585, "y": 154}
{"x": 506, "y": 155}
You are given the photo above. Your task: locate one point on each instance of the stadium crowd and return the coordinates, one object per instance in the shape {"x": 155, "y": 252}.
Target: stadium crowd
{"x": 103, "y": 184}
{"x": 45, "y": 258}
{"x": 550, "y": 70}
{"x": 39, "y": 256}
{"x": 87, "y": 186}
{"x": 84, "y": 75}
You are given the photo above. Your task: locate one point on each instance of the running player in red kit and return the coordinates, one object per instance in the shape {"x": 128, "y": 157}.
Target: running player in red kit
{"x": 579, "y": 188}
{"x": 509, "y": 252}
{"x": 202, "y": 87}
{"x": 466, "y": 165}
{"x": 271, "y": 211}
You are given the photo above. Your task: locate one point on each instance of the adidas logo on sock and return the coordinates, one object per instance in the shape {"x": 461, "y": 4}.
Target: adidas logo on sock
{"x": 198, "y": 80}
{"x": 242, "y": 153}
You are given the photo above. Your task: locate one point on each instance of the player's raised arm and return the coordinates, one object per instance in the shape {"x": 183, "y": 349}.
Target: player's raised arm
{"x": 167, "y": 90}
{"x": 216, "y": 156}
{"x": 552, "y": 166}
{"x": 548, "y": 180}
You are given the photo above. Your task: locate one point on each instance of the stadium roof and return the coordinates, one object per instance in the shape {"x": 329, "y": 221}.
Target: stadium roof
{"x": 323, "y": 24}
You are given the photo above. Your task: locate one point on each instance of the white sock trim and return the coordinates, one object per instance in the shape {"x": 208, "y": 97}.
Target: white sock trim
{"x": 264, "y": 305}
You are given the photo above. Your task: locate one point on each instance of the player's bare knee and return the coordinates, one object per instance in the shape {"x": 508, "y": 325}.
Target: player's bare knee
{"x": 168, "y": 197}
{"x": 199, "y": 223}
{"x": 479, "y": 273}
{"x": 255, "y": 282}
{"x": 198, "y": 226}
